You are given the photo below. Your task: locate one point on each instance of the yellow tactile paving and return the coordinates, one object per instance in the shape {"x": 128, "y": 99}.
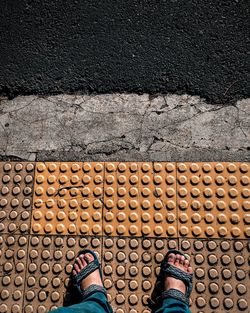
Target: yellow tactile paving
{"x": 221, "y": 272}
{"x": 130, "y": 214}
{"x": 16, "y": 188}
{"x": 68, "y": 198}
{"x": 49, "y": 265}
{"x": 130, "y": 266}
{"x": 140, "y": 199}
{"x": 13, "y": 258}
{"x": 213, "y": 200}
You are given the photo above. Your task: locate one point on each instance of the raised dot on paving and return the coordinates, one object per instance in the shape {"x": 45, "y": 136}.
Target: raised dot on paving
{"x": 221, "y": 281}
{"x": 140, "y": 199}
{"x": 68, "y": 198}
{"x": 213, "y": 200}
{"x": 49, "y": 265}
{"x": 16, "y": 189}
{"x": 130, "y": 267}
{"x": 13, "y": 257}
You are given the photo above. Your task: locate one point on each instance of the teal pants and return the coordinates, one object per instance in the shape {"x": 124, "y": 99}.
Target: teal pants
{"x": 97, "y": 303}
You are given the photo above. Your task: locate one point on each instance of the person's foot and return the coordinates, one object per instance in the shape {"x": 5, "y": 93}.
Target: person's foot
{"x": 92, "y": 279}
{"x": 183, "y": 264}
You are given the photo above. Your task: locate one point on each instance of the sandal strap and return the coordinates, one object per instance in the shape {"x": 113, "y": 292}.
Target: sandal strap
{"x": 177, "y": 273}
{"x": 92, "y": 289}
{"x": 90, "y": 268}
{"x": 172, "y": 271}
{"x": 176, "y": 294}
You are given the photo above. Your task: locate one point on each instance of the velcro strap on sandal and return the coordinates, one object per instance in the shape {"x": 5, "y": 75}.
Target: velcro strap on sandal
{"x": 92, "y": 289}
{"x": 176, "y": 294}
{"x": 175, "y": 272}
{"x": 90, "y": 268}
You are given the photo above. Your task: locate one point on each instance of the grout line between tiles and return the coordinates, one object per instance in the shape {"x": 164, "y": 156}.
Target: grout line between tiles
{"x": 103, "y": 204}
{"x": 176, "y": 205}
{"x": 26, "y": 272}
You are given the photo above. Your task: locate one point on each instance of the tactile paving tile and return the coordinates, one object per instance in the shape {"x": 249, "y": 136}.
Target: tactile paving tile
{"x": 221, "y": 274}
{"x": 13, "y": 256}
{"x": 140, "y": 199}
{"x": 68, "y": 198}
{"x": 127, "y": 213}
{"x": 50, "y": 261}
{"x": 213, "y": 200}
{"x": 130, "y": 266}
{"x": 16, "y": 188}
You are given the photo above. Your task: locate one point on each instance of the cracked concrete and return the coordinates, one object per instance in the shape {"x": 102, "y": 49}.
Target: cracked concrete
{"x": 123, "y": 127}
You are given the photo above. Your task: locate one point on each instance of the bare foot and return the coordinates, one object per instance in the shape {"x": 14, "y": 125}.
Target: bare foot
{"x": 94, "y": 278}
{"x": 183, "y": 264}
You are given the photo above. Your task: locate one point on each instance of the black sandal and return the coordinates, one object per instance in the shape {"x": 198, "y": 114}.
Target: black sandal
{"x": 86, "y": 271}
{"x": 169, "y": 270}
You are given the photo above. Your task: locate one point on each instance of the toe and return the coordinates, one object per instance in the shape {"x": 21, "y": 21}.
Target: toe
{"x": 171, "y": 258}
{"x": 182, "y": 259}
{"x": 186, "y": 263}
{"x": 177, "y": 259}
{"x": 88, "y": 257}
{"x": 84, "y": 263}
{"x": 79, "y": 262}
{"x": 77, "y": 268}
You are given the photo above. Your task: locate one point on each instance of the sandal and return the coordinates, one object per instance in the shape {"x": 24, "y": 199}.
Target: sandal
{"x": 171, "y": 271}
{"x": 86, "y": 271}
